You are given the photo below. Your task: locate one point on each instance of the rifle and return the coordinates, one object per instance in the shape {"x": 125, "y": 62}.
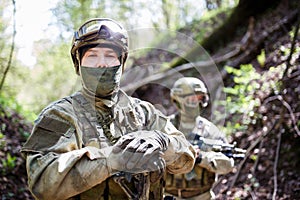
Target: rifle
{"x": 206, "y": 144}
{"x": 141, "y": 183}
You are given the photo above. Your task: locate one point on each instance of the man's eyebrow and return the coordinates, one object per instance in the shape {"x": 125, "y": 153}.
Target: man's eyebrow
{"x": 92, "y": 50}
{"x": 110, "y": 51}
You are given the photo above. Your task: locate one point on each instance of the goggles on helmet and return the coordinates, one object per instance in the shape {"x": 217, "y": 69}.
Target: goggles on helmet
{"x": 101, "y": 28}
{"x": 193, "y": 100}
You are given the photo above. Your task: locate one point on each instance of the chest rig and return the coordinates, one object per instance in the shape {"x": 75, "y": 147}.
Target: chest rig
{"x": 103, "y": 127}
{"x": 196, "y": 182}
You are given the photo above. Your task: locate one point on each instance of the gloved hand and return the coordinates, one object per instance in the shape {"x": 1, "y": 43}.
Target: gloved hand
{"x": 216, "y": 162}
{"x": 139, "y": 151}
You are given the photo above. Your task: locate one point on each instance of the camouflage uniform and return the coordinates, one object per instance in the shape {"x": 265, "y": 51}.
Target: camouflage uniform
{"x": 196, "y": 184}
{"x": 64, "y": 152}
{"x": 82, "y": 144}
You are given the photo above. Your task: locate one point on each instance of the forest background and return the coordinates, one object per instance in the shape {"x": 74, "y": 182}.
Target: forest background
{"x": 246, "y": 52}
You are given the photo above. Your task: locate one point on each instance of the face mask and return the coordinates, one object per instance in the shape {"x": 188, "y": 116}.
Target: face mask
{"x": 102, "y": 82}
{"x": 192, "y": 112}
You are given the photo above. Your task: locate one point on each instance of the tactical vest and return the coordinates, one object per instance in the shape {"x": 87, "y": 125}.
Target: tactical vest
{"x": 105, "y": 128}
{"x": 192, "y": 184}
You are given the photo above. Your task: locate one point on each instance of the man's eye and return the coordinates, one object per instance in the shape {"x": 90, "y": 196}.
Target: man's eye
{"x": 110, "y": 56}
{"x": 92, "y": 55}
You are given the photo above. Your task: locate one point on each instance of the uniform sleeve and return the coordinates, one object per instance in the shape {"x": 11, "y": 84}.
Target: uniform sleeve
{"x": 57, "y": 167}
{"x": 180, "y": 155}
{"x": 207, "y": 129}
{"x": 215, "y": 162}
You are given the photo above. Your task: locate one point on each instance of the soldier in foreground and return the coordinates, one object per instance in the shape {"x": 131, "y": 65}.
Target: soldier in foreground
{"x": 190, "y": 96}
{"x": 100, "y": 143}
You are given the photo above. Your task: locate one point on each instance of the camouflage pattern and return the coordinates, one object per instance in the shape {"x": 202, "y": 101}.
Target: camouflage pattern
{"x": 199, "y": 180}
{"x": 196, "y": 184}
{"x": 188, "y": 86}
{"x": 98, "y": 31}
{"x": 65, "y": 154}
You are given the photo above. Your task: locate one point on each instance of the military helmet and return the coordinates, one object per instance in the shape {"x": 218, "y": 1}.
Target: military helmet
{"x": 99, "y": 31}
{"x": 189, "y": 91}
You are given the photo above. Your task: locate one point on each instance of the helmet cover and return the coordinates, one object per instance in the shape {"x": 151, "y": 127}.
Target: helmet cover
{"x": 189, "y": 91}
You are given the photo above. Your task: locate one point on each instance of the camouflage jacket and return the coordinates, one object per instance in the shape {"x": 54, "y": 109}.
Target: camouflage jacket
{"x": 66, "y": 134}
{"x": 199, "y": 180}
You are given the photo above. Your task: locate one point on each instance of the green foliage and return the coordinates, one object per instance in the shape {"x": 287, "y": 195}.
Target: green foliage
{"x": 204, "y": 26}
{"x": 24, "y": 133}
{"x": 8, "y": 163}
{"x": 247, "y": 95}
{"x": 9, "y": 102}
{"x": 262, "y": 58}
{"x": 253, "y": 157}
{"x": 240, "y": 98}
{"x": 2, "y": 139}
{"x": 285, "y": 50}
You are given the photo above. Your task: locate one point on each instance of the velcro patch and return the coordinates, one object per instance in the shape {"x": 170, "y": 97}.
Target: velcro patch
{"x": 47, "y": 134}
{"x": 53, "y": 125}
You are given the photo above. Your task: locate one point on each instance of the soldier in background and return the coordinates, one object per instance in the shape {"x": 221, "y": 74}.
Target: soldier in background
{"x": 99, "y": 143}
{"x": 190, "y": 96}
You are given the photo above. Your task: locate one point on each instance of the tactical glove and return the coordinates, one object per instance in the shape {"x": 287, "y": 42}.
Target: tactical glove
{"x": 215, "y": 162}
{"x": 140, "y": 151}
